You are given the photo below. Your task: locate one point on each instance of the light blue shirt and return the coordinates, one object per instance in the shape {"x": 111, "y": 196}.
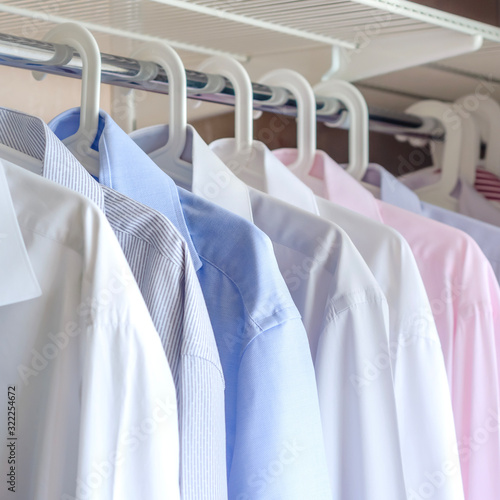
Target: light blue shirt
{"x": 396, "y": 193}
{"x": 273, "y": 429}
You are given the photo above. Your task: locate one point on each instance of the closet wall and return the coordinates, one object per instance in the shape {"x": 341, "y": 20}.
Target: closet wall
{"x": 486, "y": 11}
{"x": 45, "y": 99}
{"x": 281, "y": 132}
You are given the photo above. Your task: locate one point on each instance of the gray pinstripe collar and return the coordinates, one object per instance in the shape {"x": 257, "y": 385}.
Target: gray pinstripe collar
{"x": 31, "y": 136}
{"x": 120, "y": 159}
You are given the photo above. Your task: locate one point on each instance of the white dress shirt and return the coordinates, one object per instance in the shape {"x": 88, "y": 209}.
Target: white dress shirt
{"x": 89, "y": 405}
{"x": 346, "y": 319}
{"x": 425, "y": 415}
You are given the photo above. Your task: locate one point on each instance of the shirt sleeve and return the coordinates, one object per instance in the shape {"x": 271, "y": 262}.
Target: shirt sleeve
{"x": 475, "y": 396}
{"x": 467, "y": 316}
{"x": 129, "y": 443}
{"x": 357, "y": 400}
{"x": 203, "y": 436}
{"x": 278, "y": 450}
{"x": 425, "y": 416}
{"x": 200, "y": 400}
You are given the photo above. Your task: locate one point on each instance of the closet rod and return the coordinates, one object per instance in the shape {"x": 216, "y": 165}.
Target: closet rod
{"x": 37, "y": 55}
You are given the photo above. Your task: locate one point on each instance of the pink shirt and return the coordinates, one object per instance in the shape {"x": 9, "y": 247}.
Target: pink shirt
{"x": 465, "y": 299}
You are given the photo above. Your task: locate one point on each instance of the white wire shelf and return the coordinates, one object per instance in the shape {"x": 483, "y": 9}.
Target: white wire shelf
{"x": 242, "y": 28}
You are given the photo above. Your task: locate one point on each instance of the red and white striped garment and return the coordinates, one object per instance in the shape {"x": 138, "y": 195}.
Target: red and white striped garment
{"x": 488, "y": 184}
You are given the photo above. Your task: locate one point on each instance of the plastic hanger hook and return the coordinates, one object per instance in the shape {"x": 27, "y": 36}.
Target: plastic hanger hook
{"x": 80, "y": 38}
{"x": 450, "y": 154}
{"x": 171, "y": 63}
{"x": 306, "y": 114}
{"x": 359, "y": 118}
{"x": 486, "y": 111}
{"x": 243, "y": 93}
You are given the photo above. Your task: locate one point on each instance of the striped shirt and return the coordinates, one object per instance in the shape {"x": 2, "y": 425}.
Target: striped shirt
{"x": 488, "y": 184}
{"x": 485, "y": 183}
{"x": 160, "y": 261}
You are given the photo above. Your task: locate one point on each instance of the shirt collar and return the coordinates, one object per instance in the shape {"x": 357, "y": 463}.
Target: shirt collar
{"x": 31, "y": 136}
{"x": 123, "y": 166}
{"x": 261, "y": 169}
{"x": 17, "y": 279}
{"x": 391, "y": 190}
{"x": 212, "y": 180}
{"x": 329, "y": 180}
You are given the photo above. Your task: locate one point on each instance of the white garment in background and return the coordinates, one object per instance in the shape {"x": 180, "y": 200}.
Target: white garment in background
{"x": 81, "y": 365}
{"x": 425, "y": 415}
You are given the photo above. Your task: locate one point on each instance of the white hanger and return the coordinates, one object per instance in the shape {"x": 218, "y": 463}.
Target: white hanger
{"x": 243, "y": 93}
{"x": 439, "y": 193}
{"x": 358, "y": 116}
{"x": 486, "y": 111}
{"x": 306, "y": 114}
{"x": 242, "y": 155}
{"x": 80, "y": 38}
{"x": 470, "y": 150}
{"x": 168, "y": 158}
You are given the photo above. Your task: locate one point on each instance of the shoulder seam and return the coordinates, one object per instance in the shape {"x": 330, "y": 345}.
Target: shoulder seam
{"x": 203, "y": 358}
{"x": 150, "y": 244}
{"x": 262, "y": 332}
{"x": 254, "y": 321}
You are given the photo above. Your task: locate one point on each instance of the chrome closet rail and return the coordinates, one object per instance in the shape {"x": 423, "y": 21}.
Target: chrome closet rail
{"x": 50, "y": 58}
